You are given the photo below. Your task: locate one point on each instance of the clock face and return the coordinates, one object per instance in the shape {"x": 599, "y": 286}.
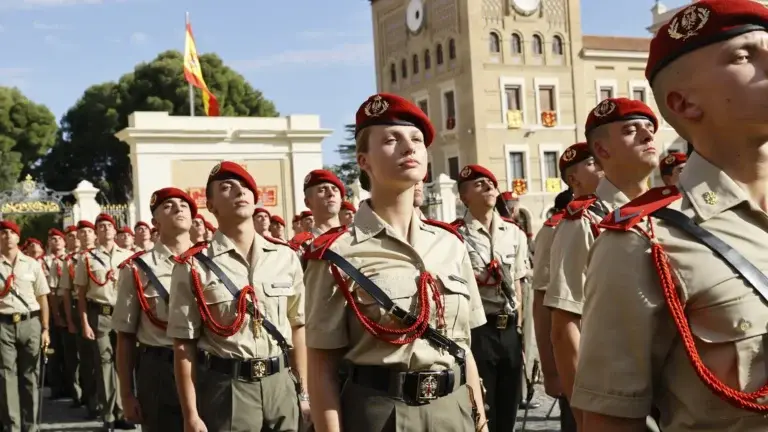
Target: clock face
{"x": 414, "y": 17}
{"x": 526, "y": 7}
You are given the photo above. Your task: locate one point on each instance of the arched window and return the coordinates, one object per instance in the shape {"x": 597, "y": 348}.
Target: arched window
{"x": 451, "y": 49}
{"x": 495, "y": 43}
{"x": 517, "y": 44}
{"x": 439, "y": 54}
{"x": 557, "y": 46}
{"x": 538, "y": 45}
{"x": 415, "y": 64}
{"x": 404, "y": 68}
{"x": 427, "y": 60}
{"x": 392, "y": 73}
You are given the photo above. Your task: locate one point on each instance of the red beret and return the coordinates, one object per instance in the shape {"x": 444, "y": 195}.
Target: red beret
{"x": 296, "y": 218}
{"x": 209, "y": 226}
{"x": 473, "y": 172}
{"x": 316, "y": 177}
{"x": 86, "y": 224}
{"x": 390, "y": 109}
{"x": 509, "y": 196}
{"x": 126, "y": 230}
{"x": 104, "y": 217}
{"x": 346, "y": 205}
{"x": 228, "y": 170}
{"x": 142, "y": 223}
{"x": 53, "y": 232}
{"x": 619, "y": 109}
{"x": 160, "y": 195}
{"x": 31, "y": 241}
{"x": 199, "y": 216}
{"x": 8, "y": 225}
{"x": 70, "y": 229}
{"x": 261, "y": 210}
{"x": 305, "y": 214}
{"x": 277, "y": 219}
{"x": 672, "y": 160}
{"x": 573, "y": 155}
{"x": 703, "y": 23}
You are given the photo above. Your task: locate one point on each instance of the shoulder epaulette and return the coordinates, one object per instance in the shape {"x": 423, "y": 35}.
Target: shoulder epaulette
{"x": 446, "y": 226}
{"x": 131, "y": 258}
{"x": 513, "y": 222}
{"x": 631, "y": 213}
{"x": 276, "y": 241}
{"x": 555, "y": 219}
{"x": 320, "y": 244}
{"x": 576, "y": 208}
{"x": 299, "y": 239}
{"x": 198, "y": 247}
{"x": 458, "y": 223}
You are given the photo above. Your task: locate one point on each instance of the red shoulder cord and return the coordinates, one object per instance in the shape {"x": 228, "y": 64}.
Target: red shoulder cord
{"x": 426, "y": 282}
{"x": 8, "y": 285}
{"x": 205, "y": 312}
{"x": 735, "y": 397}
{"x": 91, "y": 276}
{"x": 493, "y": 272}
{"x": 143, "y": 302}
{"x": 71, "y": 268}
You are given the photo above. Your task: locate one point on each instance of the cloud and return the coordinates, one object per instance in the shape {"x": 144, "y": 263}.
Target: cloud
{"x": 37, "y": 25}
{"x": 58, "y": 42}
{"x": 348, "y": 54}
{"x": 14, "y": 77}
{"x": 138, "y": 38}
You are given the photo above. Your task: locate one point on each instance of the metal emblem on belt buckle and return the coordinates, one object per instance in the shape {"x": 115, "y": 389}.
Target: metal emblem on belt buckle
{"x": 16, "y": 318}
{"x": 501, "y": 321}
{"x": 106, "y": 310}
{"x": 259, "y": 369}
{"x": 427, "y": 386}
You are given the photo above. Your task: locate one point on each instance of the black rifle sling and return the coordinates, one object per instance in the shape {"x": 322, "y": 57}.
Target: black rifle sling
{"x": 431, "y": 335}
{"x": 271, "y": 329}
{"x": 144, "y": 267}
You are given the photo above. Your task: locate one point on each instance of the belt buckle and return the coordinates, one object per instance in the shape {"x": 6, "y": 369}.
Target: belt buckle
{"x": 259, "y": 369}
{"x": 16, "y": 318}
{"x": 501, "y": 321}
{"x": 427, "y": 386}
{"x": 106, "y": 310}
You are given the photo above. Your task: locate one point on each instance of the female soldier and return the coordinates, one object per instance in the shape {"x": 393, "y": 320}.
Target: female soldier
{"x": 405, "y": 366}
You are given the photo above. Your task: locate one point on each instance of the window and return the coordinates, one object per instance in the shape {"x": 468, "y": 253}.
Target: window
{"x": 427, "y": 60}
{"x": 517, "y": 165}
{"x": 392, "y": 73}
{"x": 415, "y": 64}
{"x": 439, "y": 54}
{"x": 495, "y": 43}
{"x": 404, "y": 68}
{"x": 550, "y": 165}
{"x": 453, "y": 167}
{"x": 424, "y": 106}
{"x": 638, "y": 94}
{"x": 449, "y": 101}
{"x": 517, "y": 44}
{"x": 451, "y": 49}
{"x": 547, "y": 98}
{"x": 538, "y": 45}
{"x": 557, "y": 46}
{"x": 606, "y": 93}
{"x": 512, "y": 93}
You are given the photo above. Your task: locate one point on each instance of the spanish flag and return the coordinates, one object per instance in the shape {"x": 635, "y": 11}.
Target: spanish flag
{"x": 194, "y": 74}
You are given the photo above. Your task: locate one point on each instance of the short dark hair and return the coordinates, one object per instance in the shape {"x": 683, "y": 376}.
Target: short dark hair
{"x": 563, "y": 198}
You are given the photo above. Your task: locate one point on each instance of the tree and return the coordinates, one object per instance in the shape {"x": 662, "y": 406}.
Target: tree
{"x": 27, "y": 131}
{"x": 347, "y": 171}
{"x": 86, "y": 147}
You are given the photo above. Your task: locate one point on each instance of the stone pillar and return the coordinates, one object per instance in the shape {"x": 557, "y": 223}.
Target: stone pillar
{"x": 86, "y": 207}
{"x": 445, "y": 187}
{"x": 358, "y": 193}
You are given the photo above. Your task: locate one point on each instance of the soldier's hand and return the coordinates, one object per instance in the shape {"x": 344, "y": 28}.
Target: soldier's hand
{"x": 195, "y": 424}
{"x": 45, "y": 339}
{"x": 305, "y": 412}
{"x": 131, "y": 408}
{"x": 88, "y": 333}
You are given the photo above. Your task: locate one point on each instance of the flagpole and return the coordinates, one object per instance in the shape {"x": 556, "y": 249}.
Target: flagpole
{"x": 191, "y": 89}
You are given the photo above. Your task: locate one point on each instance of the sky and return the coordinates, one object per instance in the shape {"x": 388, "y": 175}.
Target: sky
{"x": 307, "y": 56}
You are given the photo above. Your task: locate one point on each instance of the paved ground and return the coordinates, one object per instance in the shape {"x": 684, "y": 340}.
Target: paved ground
{"x": 58, "y": 416}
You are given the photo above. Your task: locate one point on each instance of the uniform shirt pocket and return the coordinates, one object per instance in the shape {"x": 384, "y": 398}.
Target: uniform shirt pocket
{"x": 400, "y": 288}
{"x": 276, "y": 301}
{"x": 456, "y": 300}
{"x": 216, "y": 293}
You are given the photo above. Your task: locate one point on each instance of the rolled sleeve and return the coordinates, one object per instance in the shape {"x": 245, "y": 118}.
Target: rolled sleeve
{"x": 184, "y": 321}
{"x": 127, "y": 310}
{"x": 41, "y": 282}
{"x": 541, "y": 257}
{"x": 521, "y": 259}
{"x": 296, "y": 304}
{"x": 326, "y": 308}
{"x": 476, "y": 311}
{"x": 567, "y": 266}
{"x": 626, "y": 333}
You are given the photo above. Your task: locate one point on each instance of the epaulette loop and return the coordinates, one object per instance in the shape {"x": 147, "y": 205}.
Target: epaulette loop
{"x": 320, "y": 244}
{"x": 630, "y": 214}
{"x": 198, "y": 247}
{"x": 446, "y": 226}
{"x": 130, "y": 259}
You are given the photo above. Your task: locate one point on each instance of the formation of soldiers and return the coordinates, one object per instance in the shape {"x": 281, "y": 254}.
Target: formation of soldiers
{"x": 649, "y": 303}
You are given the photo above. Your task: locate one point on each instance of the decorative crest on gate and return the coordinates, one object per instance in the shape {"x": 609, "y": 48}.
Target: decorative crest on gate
{"x": 30, "y": 197}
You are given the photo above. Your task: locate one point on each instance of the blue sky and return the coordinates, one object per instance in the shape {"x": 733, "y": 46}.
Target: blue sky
{"x": 307, "y": 56}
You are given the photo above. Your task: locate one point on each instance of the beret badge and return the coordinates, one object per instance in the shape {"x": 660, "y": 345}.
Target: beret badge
{"x": 688, "y": 25}
{"x": 307, "y": 179}
{"x": 376, "y": 107}
{"x": 605, "y": 108}
{"x": 569, "y": 155}
{"x": 466, "y": 172}
{"x": 153, "y": 200}
{"x": 215, "y": 170}
{"x": 669, "y": 160}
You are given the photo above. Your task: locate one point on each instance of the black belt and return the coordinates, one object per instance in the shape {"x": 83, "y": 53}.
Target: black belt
{"x": 414, "y": 388}
{"x": 163, "y": 353}
{"x": 18, "y": 317}
{"x": 502, "y": 320}
{"x": 101, "y": 308}
{"x": 246, "y": 370}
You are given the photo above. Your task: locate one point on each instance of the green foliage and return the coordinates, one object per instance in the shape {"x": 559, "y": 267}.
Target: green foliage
{"x": 37, "y": 225}
{"x": 347, "y": 171}
{"x": 27, "y": 131}
{"x": 86, "y": 148}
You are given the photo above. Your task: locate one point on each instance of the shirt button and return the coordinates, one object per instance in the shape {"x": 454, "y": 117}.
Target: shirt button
{"x": 744, "y": 325}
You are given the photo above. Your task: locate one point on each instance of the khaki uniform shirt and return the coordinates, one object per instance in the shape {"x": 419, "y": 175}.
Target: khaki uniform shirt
{"x": 505, "y": 242}
{"x": 631, "y": 353}
{"x": 275, "y": 274}
{"x": 29, "y": 283}
{"x": 47, "y": 262}
{"x": 543, "y": 246}
{"x": 570, "y": 247}
{"x": 66, "y": 280}
{"x": 394, "y": 264}
{"x": 57, "y": 268}
{"x": 128, "y": 316}
{"x": 106, "y": 294}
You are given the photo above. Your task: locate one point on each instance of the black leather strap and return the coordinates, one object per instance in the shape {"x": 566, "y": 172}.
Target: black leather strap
{"x": 735, "y": 260}
{"x": 144, "y": 267}
{"x": 97, "y": 258}
{"x": 430, "y": 334}
{"x": 15, "y": 294}
{"x": 599, "y": 209}
{"x": 232, "y": 288}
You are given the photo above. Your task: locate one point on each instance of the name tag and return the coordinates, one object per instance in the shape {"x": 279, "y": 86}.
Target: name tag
{"x": 282, "y": 284}
{"x": 457, "y": 279}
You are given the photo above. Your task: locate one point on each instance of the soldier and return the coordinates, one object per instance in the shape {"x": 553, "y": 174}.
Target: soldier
{"x": 323, "y": 195}
{"x": 277, "y": 227}
{"x": 57, "y": 377}
{"x": 236, "y": 311}
{"x": 306, "y": 221}
{"x": 392, "y": 379}
{"x": 95, "y": 278}
{"x": 209, "y": 231}
{"x": 347, "y": 213}
{"x": 261, "y": 220}
{"x": 197, "y": 232}
{"x": 141, "y": 315}
{"x": 125, "y": 238}
{"x": 143, "y": 236}
{"x": 34, "y": 248}
{"x": 65, "y": 269}
{"x": 676, "y": 312}
{"x": 671, "y": 167}
{"x": 153, "y": 235}
{"x": 23, "y": 331}
{"x": 498, "y": 250}
{"x": 296, "y": 225}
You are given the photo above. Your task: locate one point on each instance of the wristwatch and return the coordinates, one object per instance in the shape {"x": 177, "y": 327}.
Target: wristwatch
{"x": 303, "y": 397}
